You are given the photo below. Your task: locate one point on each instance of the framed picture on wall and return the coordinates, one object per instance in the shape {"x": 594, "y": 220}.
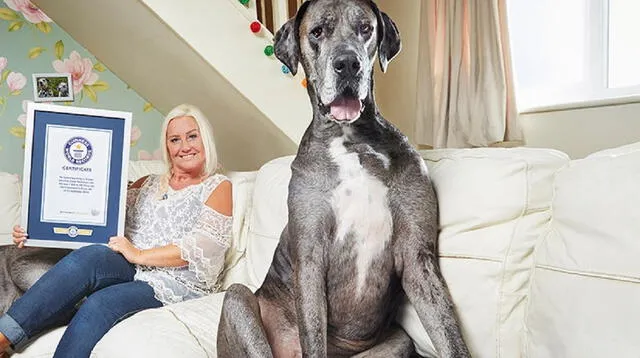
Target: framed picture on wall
{"x": 52, "y": 87}
{"x": 75, "y": 175}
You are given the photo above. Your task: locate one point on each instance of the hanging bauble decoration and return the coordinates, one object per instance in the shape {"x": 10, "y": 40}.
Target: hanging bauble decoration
{"x": 255, "y": 27}
{"x": 285, "y": 69}
{"x": 268, "y": 50}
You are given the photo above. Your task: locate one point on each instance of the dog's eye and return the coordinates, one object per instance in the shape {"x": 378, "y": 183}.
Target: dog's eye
{"x": 365, "y": 29}
{"x": 316, "y": 33}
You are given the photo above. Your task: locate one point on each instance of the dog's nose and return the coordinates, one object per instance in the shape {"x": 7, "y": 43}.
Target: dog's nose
{"x": 347, "y": 65}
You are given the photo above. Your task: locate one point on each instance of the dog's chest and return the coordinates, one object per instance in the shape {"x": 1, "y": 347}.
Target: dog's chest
{"x": 361, "y": 209}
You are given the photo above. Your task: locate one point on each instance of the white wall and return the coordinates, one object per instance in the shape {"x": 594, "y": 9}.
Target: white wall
{"x": 396, "y": 89}
{"x": 579, "y": 132}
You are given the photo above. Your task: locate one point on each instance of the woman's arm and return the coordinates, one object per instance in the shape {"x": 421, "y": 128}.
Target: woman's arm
{"x": 164, "y": 256}
{"x": 220, "y": 200}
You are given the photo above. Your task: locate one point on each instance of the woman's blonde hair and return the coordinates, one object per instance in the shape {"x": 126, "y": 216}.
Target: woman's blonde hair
{"x": 206, "y": 134}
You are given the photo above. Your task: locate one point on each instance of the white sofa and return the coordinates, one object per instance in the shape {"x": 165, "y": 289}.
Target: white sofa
{"x": 541, "y": 254}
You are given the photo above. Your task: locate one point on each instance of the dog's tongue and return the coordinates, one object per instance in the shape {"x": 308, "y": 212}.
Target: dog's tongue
{"x": 346, "y": 109}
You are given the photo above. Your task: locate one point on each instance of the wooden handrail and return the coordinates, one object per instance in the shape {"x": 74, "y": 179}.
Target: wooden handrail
{"x": 266, "y": 13}
{"x": 292, "y": 7}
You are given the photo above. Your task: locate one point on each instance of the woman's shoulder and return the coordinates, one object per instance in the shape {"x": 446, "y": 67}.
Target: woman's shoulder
{"x": 216, "y": 179}
{"x": 219, "y": 195}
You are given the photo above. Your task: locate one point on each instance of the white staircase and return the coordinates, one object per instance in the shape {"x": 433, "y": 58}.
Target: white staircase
{"x": 200, "y": 52}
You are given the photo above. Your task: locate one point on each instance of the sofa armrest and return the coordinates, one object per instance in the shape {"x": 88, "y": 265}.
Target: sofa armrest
{"x": 10, "y": 200}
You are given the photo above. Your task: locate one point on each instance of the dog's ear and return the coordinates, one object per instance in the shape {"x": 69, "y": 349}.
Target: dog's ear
{"x": 287, "y": 41}
{"x": 389, "y": 43}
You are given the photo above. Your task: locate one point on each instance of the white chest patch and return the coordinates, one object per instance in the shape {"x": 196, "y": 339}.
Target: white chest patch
{"x": 360, "y": 206}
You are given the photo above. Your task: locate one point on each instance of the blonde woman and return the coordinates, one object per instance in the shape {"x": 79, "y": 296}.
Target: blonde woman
{"x": 177, "y": 231}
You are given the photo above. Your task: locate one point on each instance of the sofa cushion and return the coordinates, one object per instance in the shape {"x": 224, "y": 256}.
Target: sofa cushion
{"x": 586, "y": 285}
{"x": 268, "y": 217}
{"x": 614, "y": 152}
{"x": 186, "y": 329}
{"x": 10, "y": 203}
{"x": 43, "y": 346}
{"x": 139, "y": 168}
{"x": 235, "y": 267}
{"x": 494, "y": 205}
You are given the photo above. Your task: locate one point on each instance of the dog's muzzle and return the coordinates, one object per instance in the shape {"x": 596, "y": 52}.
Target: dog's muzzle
{"x": 346, "y": 106}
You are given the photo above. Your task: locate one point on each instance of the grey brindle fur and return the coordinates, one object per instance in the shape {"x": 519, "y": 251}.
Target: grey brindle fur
{"x": 363, "y": 216}
{"x": 20, "y": 268}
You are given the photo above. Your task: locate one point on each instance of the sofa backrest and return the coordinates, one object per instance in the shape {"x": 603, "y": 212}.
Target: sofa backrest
{"x": 585, "y": 291}
{"x": 139, "y": 168}
{"x": 235, "y": 261}
{"x": 494, "y": 205}
{"x": 264, "y": 223}
{"x": 540, "y": 253}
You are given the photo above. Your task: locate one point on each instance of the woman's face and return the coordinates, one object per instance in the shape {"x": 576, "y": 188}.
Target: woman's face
{"x": 184, "y": 144}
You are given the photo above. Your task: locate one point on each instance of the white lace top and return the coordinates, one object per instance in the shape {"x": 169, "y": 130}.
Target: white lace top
{"x": 181, "y": 218}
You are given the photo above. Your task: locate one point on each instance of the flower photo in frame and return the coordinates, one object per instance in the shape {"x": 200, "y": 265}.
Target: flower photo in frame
{"x": 52, "y": 87}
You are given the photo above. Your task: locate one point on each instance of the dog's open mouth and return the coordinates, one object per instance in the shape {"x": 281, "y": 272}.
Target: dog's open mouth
{"x": 345, "y": 108}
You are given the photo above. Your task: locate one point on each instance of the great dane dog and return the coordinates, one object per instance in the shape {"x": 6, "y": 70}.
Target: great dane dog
{"x": 363, "y": 217}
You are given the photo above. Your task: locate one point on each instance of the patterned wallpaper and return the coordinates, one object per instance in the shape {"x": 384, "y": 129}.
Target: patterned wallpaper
{"x": 31, "y": 43}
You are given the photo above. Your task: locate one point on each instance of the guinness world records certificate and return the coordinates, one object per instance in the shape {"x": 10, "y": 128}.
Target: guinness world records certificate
{"x": 75, "y": 175}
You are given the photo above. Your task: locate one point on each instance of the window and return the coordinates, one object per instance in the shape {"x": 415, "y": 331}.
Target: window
{"x": 571, "y": 51}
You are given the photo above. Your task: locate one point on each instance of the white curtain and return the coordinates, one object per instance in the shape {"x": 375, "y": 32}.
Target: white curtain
{"x": 465, "y": 94}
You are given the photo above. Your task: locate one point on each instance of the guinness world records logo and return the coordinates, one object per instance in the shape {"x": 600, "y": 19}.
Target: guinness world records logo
{"x": 78, "y": 150}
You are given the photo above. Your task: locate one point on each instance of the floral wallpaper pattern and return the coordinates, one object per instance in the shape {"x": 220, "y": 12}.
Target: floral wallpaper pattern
{"x": 32, "y": 43}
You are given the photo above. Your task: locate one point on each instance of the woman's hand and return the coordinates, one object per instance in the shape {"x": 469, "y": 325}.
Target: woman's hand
{"x": 19, "y": 236}
{"x": 122, "y": 245}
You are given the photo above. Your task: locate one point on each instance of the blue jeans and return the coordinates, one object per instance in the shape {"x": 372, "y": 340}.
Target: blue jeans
{"x": 96, "y": 272}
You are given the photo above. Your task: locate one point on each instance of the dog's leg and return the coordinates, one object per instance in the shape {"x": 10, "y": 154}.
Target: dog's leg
{"x": 9, "y": 292}
{"x": 426, "y": 289}
{"x": 28, "y": 264}
{"x": 21, "y": 268}
{"x": 309, "y": 235}
{"x": 396, "y": 344}
{"x": 240, "y": 331}
{"x": 416, "y": 256}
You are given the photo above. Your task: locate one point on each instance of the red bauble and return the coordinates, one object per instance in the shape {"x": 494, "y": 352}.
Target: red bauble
{"x": 255, "y": 27}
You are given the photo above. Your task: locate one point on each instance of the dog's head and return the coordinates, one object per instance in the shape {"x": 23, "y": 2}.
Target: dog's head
{"x": 63, "y": 87}
{"x": 336, "y": 41}
{"x": 43, "y": 83}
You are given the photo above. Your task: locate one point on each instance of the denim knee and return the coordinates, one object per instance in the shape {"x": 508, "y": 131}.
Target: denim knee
{"x": 90, "y": 253}
{"x": 89, "y": 257}
{"x": 96, "y": 309}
